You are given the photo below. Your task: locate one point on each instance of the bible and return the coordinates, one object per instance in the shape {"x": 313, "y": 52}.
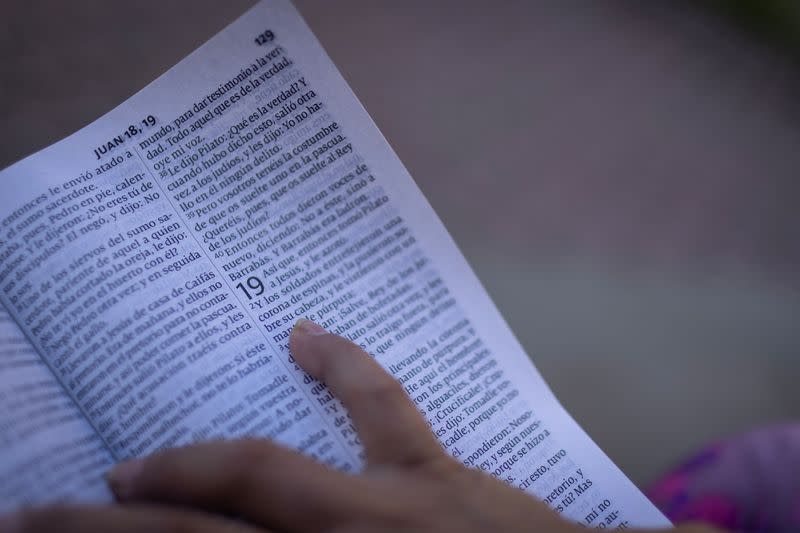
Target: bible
{"x": 153, "y": 263}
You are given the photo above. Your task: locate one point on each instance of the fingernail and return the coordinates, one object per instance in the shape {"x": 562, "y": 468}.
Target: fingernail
{"x": 308, "y": 327}
{"x": 10, "y": 524}
{"x": 121, "y": 477}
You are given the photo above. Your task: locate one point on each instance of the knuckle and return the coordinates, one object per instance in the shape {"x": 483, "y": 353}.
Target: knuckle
{"x": 248, "y": 458}
{"x": 382, "y": 390}
{"x": 446, "y": 469}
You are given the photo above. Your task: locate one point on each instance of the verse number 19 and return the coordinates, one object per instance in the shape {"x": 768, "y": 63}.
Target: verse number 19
{"x": 255, "y": 286}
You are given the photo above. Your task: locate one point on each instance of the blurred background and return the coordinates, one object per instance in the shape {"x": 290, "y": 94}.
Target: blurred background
{"x": 622, "y": 176}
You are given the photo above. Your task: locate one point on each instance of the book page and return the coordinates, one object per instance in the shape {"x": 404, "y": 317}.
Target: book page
{"x": 49, "y": 451}
{"x": 159, "y": 257}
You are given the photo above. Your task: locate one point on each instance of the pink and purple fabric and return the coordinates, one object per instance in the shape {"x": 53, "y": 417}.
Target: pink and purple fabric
{"x": 749, "y": 483}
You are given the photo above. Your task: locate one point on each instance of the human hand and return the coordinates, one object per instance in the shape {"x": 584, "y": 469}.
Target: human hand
{"x": 240, "y": 486}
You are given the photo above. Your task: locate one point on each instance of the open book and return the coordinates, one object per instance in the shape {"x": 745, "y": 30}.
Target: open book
{"x": 153, "y": 263}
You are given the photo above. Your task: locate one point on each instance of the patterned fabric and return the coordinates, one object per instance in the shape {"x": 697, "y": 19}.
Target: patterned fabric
{"x": 749, "y": 484}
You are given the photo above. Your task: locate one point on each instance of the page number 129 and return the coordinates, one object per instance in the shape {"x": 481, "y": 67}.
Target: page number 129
{"x": 265, "y": 38}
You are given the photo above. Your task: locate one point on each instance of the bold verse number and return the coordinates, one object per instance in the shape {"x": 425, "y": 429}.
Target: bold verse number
{"x": 254, "y": 284}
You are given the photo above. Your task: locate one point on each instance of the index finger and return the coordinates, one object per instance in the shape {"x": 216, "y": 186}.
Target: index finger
{"x": 388, "y": 422}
